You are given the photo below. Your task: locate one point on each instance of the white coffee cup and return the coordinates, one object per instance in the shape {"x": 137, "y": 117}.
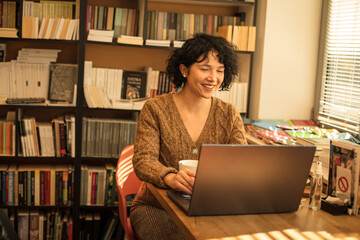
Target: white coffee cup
{"x": 188, "y": 164}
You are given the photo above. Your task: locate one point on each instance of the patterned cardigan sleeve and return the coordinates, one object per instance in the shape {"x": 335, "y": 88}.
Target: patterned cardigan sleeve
{"x": 238, "y": 134}
{"x": 146, "y": 162}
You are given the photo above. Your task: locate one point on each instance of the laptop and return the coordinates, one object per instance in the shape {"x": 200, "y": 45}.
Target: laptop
{"x": 247, "y": 179}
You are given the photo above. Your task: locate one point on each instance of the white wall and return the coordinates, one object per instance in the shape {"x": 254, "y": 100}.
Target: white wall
{"x": 285, "y": 61}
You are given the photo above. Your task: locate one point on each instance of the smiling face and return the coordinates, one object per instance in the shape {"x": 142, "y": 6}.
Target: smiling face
{"x": 204, "y": 78}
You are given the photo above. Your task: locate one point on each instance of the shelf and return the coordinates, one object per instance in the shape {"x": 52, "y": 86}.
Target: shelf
{"x": 98, "y": 160}
{"x": 36, "y": 160}
{"x": 41, "y": 40}
{"x": 37, "y": 207}
{"x": 207, "y": 2}
{"x": 86, "y": 207}
{"x": 38, "y": 105}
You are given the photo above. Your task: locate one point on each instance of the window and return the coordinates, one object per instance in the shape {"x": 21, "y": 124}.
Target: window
{"x": 339, "y": 100}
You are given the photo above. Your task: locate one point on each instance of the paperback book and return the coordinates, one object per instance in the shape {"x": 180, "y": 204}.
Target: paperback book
{"x": 134, "y": 85}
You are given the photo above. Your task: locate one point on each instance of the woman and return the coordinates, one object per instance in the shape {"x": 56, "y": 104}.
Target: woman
{"x": 172, "y": 127}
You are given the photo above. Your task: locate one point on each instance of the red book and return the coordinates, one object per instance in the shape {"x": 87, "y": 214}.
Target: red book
{"x": 93, "y": 187}
{"x": 63, "y": 143}
{"x": 92, "y": 11}
{"x": 308, "y": 123}
{"x": 70, "y": 229}
{"x": 87, "y": 18}
{"x": 133, "y": 22}
{"x": 47, "y": 188}
{"x": 65, "y": 179}
{"x": 42, "y": 187}
{"x": 1, "y": 137}
{"x": 8, "y": 138}
{"x": 209, "y": 29}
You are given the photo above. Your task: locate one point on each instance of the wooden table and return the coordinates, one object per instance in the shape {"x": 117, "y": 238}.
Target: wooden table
{"x": 302, "y": 224}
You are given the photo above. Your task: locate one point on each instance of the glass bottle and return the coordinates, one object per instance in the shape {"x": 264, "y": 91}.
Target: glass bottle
{"x": 316, "y": 187}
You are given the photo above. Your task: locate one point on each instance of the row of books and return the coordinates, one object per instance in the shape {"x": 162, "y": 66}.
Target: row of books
{"x": 7, "y": 138}
{"x": 105, "y": 226}
{"x": 55, "y": 139}
{"x": 106, "y": 88}
{"x": 106, "y": 137}
{"x": 32, "y": 75}
{"x": 243, "y": 37}
{"x": 98, "y": 185}
{"x": 277, "y": 131}
{"x": 19, "y": 79}
{"x": 181, "y": 26}
{"x": 8, "y": 14}
{"x": 50, "y": 28}
{"x": 51, "y": 224}
{"x": 123, "y": 21}
{"x": 28, "y": 185}
{"x": 237, "y": 95}
{"x": 50, "y": 9}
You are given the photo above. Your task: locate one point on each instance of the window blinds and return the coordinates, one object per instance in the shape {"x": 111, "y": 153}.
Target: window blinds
{"x": 340, "y": 88}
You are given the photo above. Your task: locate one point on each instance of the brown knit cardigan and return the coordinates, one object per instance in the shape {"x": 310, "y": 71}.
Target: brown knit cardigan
{"x": 162, "y": 139}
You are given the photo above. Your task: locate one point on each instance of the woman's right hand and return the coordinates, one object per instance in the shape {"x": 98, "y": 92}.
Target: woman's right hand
{"x": 181, "y": 181}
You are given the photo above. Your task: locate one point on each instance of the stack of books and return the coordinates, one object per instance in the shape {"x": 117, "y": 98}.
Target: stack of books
{"x": 159, "y": 43}
{"x": 8, "y": 33}
{"x": 100, "y": 35}
{"x": 133, "y": 40}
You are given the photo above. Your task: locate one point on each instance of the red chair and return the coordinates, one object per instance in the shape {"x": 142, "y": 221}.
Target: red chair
{"x": 127, "y": 183}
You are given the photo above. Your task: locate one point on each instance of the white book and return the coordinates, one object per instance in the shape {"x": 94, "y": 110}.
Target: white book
{"x": 104, "y": 98}
{"x": 162, "y": 43}
{"x": 97, "y": 38}
{"x": 87, "y": 73}
{"x": 40, "y": 50}
{"x": 107, "y": 33}
{"x": 100, "y": 77}
{"x": 49, "y": 28}
{"x": 55, "y": 27}
{"x": 59, "y": 29}
{"x": 29, "y": 137}
{"x": 93, "y": 77}
{"x": 110, "y": 88}
{"x": 118, "y": 88}
{"x": 70, "y": 30}
{"x": 148, "y": 71}
{"x": 5, "y": 79}
{"x": 50, "y": 140}
{"x": 44, "y": 80}
{"x": 88, "y": 97}
{"x": 76, "y": 30}
{"x": 42, "y": 28}
{"x": 36, "y": 23}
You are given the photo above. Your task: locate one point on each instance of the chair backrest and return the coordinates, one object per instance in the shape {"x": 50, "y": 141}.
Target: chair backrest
{"x": 127, "y": 183}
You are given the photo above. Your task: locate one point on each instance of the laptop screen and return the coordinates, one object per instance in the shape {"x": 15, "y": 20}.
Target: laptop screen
{"x": 250, "y": 179}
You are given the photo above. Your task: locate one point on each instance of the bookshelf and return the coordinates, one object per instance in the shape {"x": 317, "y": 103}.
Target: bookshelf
{"x": 102, "y": 55}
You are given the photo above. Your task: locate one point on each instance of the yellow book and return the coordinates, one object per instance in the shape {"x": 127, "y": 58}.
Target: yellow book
{"x": 251, "y": 39}
{"x": 243, "y": 38}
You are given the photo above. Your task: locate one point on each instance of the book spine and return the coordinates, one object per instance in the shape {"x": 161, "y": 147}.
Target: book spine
{"x": 63, "y": 147}
{"x": 93, "y": 187}
{"x": 65, "y": 179}
{"x": 42, "y": 188}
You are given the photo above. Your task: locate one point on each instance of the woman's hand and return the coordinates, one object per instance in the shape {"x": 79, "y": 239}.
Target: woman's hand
{"x": 181, "y": 181}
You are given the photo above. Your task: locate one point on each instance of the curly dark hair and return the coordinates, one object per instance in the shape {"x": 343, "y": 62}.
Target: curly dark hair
{"x": 202, "y": 44}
